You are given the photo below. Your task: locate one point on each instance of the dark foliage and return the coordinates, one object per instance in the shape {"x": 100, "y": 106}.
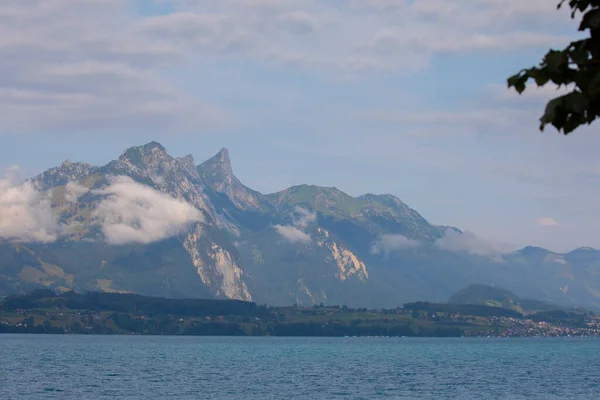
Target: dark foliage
{"x": 577, "y": 66}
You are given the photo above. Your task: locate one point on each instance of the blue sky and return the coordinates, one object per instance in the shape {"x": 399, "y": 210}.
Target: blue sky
{"x": 383, "y": 96}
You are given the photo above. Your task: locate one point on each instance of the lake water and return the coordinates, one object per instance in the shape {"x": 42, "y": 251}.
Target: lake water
{"x": 138, "y": 367}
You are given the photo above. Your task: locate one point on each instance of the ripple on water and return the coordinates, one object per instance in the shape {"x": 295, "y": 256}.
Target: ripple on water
{"x": 96, "y": 367}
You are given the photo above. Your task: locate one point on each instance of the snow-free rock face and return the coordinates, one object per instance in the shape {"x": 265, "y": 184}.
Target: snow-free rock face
{"x": 218, "y": 174}
{"x": 63, "y": 174}
{"x": 152, "y": 165}
{"x": 217, "y": 267}
{"x": 348, "y": 264}
{"x": 197, "y": 231}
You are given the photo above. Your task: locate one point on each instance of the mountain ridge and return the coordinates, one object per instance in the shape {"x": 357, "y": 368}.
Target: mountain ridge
{"x": 305, "y": 244}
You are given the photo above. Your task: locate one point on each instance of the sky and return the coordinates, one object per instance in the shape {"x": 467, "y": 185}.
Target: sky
{"x": 370, "y": 96}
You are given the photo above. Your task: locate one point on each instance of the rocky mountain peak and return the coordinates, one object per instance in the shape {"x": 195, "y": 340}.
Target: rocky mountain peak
{"x": 223, "y": 156}
{"x": 153, "y": 146}
{"x": 187, "y": 160}
{"x": 66, "y": 172}
{"x": 218, "y": 174}
{"x": 188, "y": 164}
{"x": 148, "y": 153}
{"x": 218, "y": 168}
{"x": 148, "y": 160}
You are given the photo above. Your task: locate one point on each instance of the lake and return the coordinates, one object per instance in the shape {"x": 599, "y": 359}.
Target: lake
{"x": 146, "y": 367}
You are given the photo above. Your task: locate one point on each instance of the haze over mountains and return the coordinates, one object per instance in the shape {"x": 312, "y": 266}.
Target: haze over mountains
{"x": 157, "y": 225}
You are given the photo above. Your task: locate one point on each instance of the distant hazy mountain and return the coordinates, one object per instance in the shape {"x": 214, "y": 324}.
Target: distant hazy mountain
{"x": 157, "y": 225}
{"x": 479, "y": 294}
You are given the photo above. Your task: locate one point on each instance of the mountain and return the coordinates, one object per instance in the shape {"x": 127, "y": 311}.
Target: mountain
{"x": 485, "y": 295}
{"x": 217, "y": 173}
{"x": 158, "y": 225}
{"x": 478, "y": 294}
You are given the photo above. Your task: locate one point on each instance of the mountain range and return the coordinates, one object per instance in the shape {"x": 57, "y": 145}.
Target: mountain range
{"x": 158, "y": 225}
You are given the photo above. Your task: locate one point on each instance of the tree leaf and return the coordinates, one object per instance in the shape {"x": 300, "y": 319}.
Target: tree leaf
{"x": 594, "y": 86}
{"x": 556, "y": 60}
{"x": 578, "y": 64}
{"x": 519, "y": 81}
{"x": 576, "y": 102}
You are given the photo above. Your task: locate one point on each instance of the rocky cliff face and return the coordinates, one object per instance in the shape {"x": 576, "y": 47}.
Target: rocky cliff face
{"x": 183, "y": 230}
{"x": 150, "y": 165}
{"x": 218, "y": 174}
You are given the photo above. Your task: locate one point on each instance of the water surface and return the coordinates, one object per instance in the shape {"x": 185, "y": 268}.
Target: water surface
{"x": 144, "y": 367}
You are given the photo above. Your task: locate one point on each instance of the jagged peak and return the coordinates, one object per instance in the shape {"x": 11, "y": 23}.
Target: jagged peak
{"x": 71, "y": 164}
{"x": 187, "y": 160}
{"x": 223, "y": 154}
{"x": 222, "y": 159}
{"x": 153, "y": 145}
{"x": 67, "y": 171}
{"x": 140, "y": 155}
{"x": 218, "y": 166}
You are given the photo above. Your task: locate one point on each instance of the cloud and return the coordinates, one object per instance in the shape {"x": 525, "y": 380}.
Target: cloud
{"x": 349, "y": 37}
{"x": 390, "y": 243}
{"x": 470, "y": 243}
{"x": 303, "y": 217}
{"x": 73, "y": 191}
{"x": 80, "y": 66}
{"x": 135, "y": 213}
{"x": 555, "y": 258}
{"x": 26, "y": 214}
{"x": 98, "y": 65}
{"x": 13, "y": 173}
{"x": 546, "y": 221}
{"x": 292, "y": 234}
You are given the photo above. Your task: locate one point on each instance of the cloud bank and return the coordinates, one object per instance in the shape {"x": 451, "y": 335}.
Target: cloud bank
{"x": 106, "y": 64}
{"x": 390, "y": 243}
{"x": 470, "y": 243}
{"x": 26, "y": 214}
{"x": 135, "y": 213}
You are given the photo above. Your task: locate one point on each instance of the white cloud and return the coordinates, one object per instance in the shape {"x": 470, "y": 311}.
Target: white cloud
{"x": 292, "y": 234}
{"x": 546, "y": 221}
{"x": 79, "y": 66}
{"x": 555, "y": 258}
{"x": 303, "y": 217}
{"x": 135, "y": 213}
{"x": 13, "y": 173}
{"x": 391, "y": 243}
{"x": 96, "y": 65}
{"x": 73, "y": 191}
{"x": 351, "y": 37}
{"x": 472, "y": 244}
{"x": 26, "y": 214}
